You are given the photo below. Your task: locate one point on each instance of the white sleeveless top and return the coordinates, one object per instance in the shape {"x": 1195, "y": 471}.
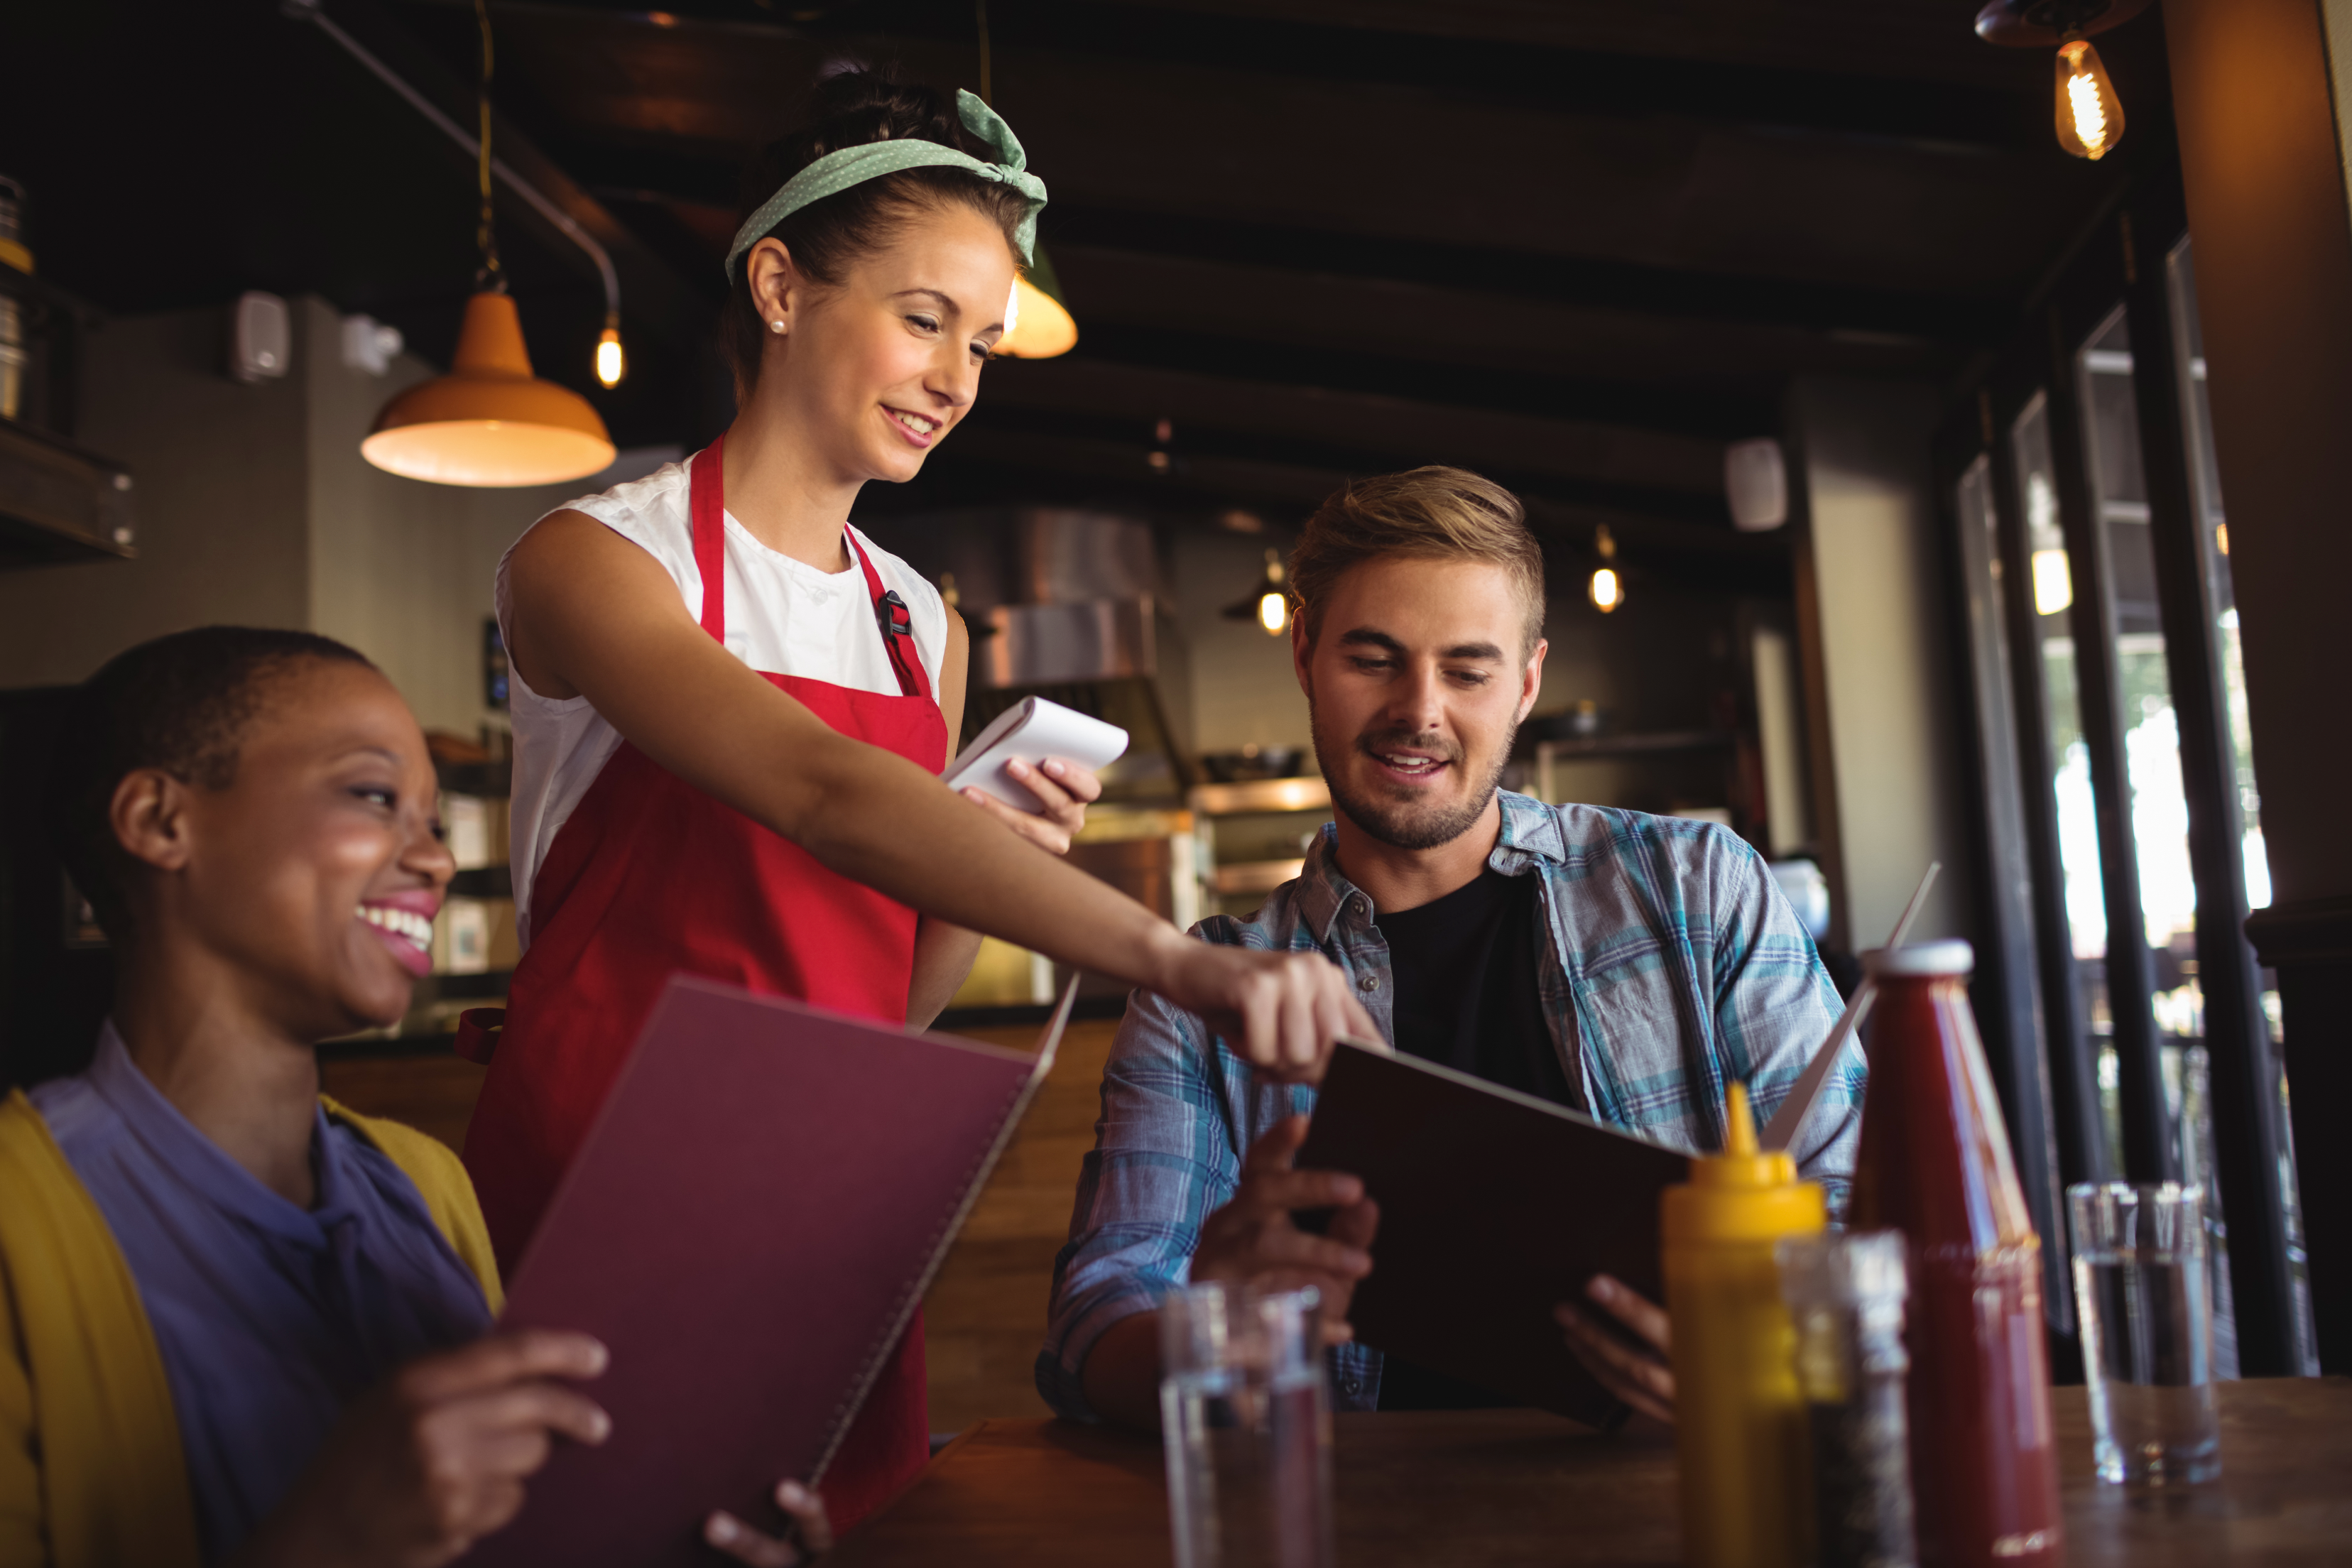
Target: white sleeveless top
{"x": 784, "y": 617}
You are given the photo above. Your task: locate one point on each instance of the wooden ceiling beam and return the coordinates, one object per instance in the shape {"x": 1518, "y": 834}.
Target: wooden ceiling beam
{"x": 1669, "y": 545}
{"x": 1399, "y": 431}
{"x": 1374, "y": 161}
{"x": 1693, "y": 358}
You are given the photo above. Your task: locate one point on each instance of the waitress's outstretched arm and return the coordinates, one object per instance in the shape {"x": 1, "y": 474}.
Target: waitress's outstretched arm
{"x": 595, "y": 615}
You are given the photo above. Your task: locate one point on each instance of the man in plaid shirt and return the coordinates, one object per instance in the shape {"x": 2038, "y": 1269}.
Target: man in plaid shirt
{"x": 1626, "y": 965}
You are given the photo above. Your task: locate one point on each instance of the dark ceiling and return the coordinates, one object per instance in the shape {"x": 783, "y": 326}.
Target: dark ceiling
{"x": 1575, "y": 245}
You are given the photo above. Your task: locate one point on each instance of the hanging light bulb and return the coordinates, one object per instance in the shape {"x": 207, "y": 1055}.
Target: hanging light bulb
{"x": 489, "y": 422}
{"x": 1269, "y": 602}
{"x": 2090, "y": 117}
{"x": 611, "y": 364}
{"x": 1036, "y": 325}
{"x": 1608, "y": 589}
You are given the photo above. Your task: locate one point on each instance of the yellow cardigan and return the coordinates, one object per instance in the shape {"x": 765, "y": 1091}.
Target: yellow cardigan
{"x": 91, "y": 1472}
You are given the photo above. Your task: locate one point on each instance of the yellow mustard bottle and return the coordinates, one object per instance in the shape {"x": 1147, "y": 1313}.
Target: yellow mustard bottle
{"x": 1739, "y": 1415}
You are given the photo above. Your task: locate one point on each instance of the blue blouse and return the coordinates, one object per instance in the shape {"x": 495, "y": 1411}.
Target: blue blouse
{"x": 270, "y": 1318}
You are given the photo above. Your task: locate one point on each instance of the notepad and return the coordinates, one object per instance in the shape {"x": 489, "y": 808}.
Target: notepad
{"x": 751, "y": 1223}
{"x": 1031, "y": 730}
{"x": 1494, "y": 1207}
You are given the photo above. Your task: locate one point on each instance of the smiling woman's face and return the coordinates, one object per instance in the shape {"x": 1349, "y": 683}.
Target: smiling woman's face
{"x": 317, "y": 873}
{"x": 876, "y": 370}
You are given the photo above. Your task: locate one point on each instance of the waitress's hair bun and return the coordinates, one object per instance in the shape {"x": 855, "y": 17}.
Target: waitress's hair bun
{"x": 852, "y": 106}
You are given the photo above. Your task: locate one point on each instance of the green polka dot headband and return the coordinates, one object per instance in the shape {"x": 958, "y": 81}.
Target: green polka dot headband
{"x": 839, "y": 170}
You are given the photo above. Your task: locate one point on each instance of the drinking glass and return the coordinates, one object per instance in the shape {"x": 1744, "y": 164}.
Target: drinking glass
{"x": 1246, "y": 1424}
{"x": 2148, "y": 1331}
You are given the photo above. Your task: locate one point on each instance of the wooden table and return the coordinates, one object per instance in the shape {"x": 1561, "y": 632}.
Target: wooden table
{"x": 1520, "y": 1487}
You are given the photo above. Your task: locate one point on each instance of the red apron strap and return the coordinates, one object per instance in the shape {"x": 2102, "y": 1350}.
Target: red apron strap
{"x": 706, "y": 499}
{"x": 897, "y": 624}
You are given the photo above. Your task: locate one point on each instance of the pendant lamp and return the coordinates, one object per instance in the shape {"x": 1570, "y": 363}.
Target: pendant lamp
{"x": 1039, "y": 325}
{"x": 1042, "y": 325}
{"x": 1607, "y": 589}
{"x": 1268, "y": 604}
{"x": 2089, "y": 116}
{"x": 489, "y": 422}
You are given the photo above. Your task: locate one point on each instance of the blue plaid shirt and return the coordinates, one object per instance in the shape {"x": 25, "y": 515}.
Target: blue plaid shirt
{"x": 1675, "y": 968}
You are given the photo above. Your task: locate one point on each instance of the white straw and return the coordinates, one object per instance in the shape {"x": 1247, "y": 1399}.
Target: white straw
{"x": 1782, "y": 1131}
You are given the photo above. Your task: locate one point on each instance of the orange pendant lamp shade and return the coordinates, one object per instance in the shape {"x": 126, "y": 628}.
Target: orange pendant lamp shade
{"x": 489, "y": 422}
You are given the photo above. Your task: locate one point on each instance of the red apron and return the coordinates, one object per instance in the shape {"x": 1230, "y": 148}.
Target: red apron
{"x": 650, "y": 877}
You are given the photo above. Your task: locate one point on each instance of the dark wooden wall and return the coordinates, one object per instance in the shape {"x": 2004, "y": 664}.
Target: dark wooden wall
{"x": 2264, "y": 180}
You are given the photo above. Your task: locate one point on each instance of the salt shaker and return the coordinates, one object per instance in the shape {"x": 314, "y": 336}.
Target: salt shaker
{"x": 1845, "y": 1293}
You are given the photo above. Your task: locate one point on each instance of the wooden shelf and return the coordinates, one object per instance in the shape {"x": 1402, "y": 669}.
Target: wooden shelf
{"x": 1601, "y": 747}
{"x": 58, "y": 502}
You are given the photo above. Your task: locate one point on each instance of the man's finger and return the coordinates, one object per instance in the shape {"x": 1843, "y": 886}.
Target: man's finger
{"x": 501, "y": 1359}
{"x": 1294, "y": 1249}
{"x": 1275, "y": 1148}
{"x": 1356, "y": 1225}
{"x": 1629, "y": 1307}
{"x": 1288, "y": 1190}
{"x": 1628, "y": 1373}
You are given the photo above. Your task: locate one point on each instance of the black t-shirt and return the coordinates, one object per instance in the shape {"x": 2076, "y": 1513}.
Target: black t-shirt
{"x": 1466, "y": 997}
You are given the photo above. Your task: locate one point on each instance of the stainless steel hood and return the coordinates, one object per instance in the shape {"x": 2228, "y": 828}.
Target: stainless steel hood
{"x": 1069, "y": 606}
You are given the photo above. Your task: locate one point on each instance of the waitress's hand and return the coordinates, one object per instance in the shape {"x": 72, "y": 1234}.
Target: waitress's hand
{"x": 807, "y": 1536}
{"x": 1282, "y": 1013}
{"x": 1065, "y": 788}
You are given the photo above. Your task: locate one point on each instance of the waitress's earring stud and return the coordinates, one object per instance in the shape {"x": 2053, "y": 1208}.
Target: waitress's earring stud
{"x": 777, "y": 327}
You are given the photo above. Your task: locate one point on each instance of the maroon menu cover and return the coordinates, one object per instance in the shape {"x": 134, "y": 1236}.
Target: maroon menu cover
{"x": 1494, "y": 1205}
{"x": 749, "y": 1225}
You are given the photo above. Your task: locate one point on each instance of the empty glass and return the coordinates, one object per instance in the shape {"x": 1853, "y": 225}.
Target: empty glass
{"x": 2148, "y": 1331}
{"x": 1246, "y": 1426}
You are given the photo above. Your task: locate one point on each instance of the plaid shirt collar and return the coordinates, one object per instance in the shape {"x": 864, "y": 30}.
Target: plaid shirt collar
{"x": 1530, "y": 837}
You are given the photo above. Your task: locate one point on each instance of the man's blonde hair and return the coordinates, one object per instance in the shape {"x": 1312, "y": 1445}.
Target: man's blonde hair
{"x": 1431, "y": 515}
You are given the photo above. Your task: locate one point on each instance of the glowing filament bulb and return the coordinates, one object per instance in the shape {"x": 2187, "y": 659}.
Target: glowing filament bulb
{"x": 611, "y": 365}
{"x": 1608, "y": 589}
{"x": 1272, "y": 613}
{"x": 2090, "y": 116}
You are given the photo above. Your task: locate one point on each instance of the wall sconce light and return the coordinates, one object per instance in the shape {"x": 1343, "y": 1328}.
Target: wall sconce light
{"x": 1268, "y": 604}
{"x": 1608, "y": 589}
{"x": 2090, "y": 118}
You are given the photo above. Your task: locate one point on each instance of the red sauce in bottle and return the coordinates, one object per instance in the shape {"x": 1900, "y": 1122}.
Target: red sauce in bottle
{"x": 1936, "y": 1164}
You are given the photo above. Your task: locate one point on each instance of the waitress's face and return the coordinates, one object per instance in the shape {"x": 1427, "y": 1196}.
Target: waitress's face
{"x": 882, "y": 366}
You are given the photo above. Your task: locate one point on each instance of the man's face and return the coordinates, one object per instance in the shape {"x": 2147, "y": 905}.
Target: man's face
{"x": 1416, "y": 685}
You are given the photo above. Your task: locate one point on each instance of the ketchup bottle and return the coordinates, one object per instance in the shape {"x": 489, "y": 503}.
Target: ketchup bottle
{"x": 1935, "y": 1164}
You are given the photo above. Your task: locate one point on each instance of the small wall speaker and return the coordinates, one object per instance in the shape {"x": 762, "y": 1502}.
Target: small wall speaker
{"x": 261, "y": 337}
{"x": 1756, "y": 481}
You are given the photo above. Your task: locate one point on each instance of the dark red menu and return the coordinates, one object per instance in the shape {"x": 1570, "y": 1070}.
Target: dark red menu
{"x": 750, "y": 1224}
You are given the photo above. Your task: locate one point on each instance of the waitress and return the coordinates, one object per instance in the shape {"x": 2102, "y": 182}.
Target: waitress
{"x": 732, "y": 707}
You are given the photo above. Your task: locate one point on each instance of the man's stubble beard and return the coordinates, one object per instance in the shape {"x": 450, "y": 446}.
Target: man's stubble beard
{"x": 1398, "y": 825}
